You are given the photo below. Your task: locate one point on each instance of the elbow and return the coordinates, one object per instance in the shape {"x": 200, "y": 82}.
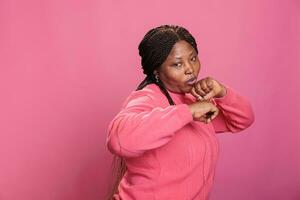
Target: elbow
{"x": 122, "y": 140}
{"x": 245, "y": 122}
{"x": 115, "y": 146}
{"x": 249, "y": 118}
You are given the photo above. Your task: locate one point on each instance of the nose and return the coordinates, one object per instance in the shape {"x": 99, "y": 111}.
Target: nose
{"x": 189, "y": 69}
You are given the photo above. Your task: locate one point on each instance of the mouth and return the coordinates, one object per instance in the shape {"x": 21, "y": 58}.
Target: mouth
{"x": 191, "y": 81}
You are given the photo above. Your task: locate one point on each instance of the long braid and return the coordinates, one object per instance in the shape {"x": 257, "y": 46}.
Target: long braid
{"x": 151, "y": 79}
{"x": 153, "y": 49}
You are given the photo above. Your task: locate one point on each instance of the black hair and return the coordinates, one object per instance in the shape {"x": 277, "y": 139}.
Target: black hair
{"x": 155, "y": 48}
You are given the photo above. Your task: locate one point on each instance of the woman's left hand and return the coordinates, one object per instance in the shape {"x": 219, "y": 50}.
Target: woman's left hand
{"x": 208, "y": 88}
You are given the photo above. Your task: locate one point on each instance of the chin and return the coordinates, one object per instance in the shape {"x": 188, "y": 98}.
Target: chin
{"x": 188, "y": 89}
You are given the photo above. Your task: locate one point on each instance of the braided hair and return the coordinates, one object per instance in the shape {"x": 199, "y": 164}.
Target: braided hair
{"x": 153, "y": 49}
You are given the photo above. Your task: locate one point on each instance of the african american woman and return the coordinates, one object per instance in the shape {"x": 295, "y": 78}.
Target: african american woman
{"x": 164, "y": 137}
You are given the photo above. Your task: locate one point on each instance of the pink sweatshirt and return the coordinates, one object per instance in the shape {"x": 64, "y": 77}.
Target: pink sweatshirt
{"x": 169, "y": 155}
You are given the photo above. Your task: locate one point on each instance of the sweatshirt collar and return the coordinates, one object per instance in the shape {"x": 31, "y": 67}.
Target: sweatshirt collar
{"x": 172, "y": 94}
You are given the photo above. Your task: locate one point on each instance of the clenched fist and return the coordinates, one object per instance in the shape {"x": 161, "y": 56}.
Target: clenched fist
{"x": 203, "y": 111}
{"x": 207, "y": 88}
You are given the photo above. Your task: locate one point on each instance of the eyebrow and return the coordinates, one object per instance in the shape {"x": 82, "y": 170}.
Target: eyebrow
{"x": 189, "y": 54}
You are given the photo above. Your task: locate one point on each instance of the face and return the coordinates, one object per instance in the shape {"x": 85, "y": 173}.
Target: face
{"x": 181, "y": 64}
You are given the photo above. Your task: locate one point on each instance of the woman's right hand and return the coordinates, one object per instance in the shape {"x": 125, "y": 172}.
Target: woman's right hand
{"x": 203, "y": 111}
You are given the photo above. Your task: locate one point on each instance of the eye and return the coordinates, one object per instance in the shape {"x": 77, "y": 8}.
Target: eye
{"x": 177, "y": 64}
{"x": 194, "y": 58}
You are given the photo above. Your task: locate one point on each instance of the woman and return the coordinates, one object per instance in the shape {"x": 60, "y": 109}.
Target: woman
{"x": 165, "y": 134}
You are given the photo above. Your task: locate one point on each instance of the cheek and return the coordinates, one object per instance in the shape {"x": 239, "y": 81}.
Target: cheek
{"x": 197, "y": 67}
{"x": 177, "y": 77}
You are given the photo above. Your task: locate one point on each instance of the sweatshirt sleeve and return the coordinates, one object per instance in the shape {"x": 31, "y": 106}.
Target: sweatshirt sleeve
{"x": 142, "y": 126}
{"x": 236, "y": 113}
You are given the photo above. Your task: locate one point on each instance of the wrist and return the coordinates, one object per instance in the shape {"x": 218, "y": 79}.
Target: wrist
{"x": 222, "y": 93}
{"x": 191, "y": 109}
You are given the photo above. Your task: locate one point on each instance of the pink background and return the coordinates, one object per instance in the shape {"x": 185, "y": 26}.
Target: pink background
{"x": 66, "y": 67}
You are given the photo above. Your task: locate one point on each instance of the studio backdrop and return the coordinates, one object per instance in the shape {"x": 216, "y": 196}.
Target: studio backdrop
{"x": 67, "y": 66}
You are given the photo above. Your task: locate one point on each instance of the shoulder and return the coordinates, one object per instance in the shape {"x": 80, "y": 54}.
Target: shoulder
{"x": 150, "y": 94}
{"x": 150, "y": 91}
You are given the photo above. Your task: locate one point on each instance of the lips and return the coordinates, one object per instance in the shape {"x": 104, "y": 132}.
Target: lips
{"x": 191, "y": 81}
